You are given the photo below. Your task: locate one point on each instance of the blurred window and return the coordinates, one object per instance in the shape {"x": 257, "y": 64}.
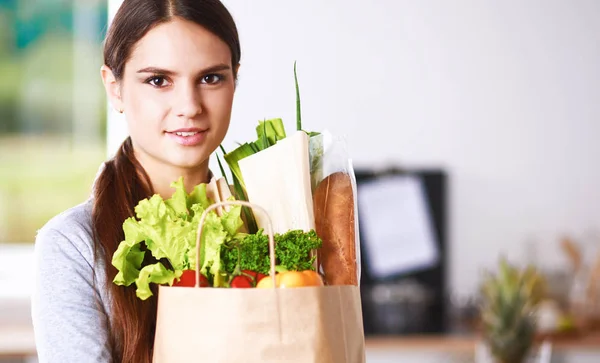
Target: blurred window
{"x": 52, "y": 109}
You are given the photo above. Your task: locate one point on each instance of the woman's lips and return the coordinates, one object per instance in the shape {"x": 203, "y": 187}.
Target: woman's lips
{"x": 187, "y": 137}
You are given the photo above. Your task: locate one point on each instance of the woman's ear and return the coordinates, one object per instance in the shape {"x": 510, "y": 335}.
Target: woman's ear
{"x": 113, "y": 89}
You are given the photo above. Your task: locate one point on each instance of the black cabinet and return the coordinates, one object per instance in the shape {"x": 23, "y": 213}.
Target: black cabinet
{"x": 413, "y": 301}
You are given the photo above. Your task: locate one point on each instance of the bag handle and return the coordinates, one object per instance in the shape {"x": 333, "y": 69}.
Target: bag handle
{"x": 244, "y": 204}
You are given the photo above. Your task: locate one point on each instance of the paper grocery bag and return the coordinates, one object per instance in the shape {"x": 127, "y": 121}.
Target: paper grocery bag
{"x": 226, "y": 325}
{"x": 295, "y": 325}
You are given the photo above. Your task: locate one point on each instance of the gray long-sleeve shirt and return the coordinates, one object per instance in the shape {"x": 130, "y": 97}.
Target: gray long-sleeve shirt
{"x": 70, "y": 307}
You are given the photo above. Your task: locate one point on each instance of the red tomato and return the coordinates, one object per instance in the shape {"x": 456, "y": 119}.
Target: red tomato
{"x": 255, "y": 277}
{"x": 242, "y": 281}
{"x": 188, "y": 279}
{"x": 250, "y": 273}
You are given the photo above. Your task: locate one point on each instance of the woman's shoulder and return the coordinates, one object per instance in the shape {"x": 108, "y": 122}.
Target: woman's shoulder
{"x": 78, "y": 215}
{"x": 69, "y": 232}
{"x": 69, "y": 304}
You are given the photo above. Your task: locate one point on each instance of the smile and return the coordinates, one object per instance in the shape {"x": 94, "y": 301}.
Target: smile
{"x": 188, "y": 137}
{"x": 186, "y": 133}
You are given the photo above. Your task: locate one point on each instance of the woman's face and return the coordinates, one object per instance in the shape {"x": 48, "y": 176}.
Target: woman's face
{"x": 176, "y": 92}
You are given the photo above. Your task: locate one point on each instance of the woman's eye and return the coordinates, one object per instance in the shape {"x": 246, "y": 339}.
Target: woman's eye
{"x": 212, "y": 79}
{"x": 157, "y": 81}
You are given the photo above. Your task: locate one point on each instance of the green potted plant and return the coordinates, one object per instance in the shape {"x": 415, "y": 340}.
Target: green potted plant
{"x": 509, "y": 301}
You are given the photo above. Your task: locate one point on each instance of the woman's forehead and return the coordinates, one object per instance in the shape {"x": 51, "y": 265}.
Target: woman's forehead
{"x": 180, "y": 46}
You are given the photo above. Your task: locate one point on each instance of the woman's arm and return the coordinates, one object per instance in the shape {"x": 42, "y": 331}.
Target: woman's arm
{"x": 69, "y": 320}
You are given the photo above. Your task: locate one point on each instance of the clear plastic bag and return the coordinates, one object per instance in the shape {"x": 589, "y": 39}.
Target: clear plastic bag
{"x": 336, "y": 210}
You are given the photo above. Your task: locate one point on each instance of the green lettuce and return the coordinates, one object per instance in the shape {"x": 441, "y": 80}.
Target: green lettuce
{"x": 160, "y": 241}
{"x": 216, "y": 233}
{"x": 156, "y": 273}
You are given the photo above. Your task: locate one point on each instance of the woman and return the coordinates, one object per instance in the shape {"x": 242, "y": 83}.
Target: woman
{"x": 171, "y": 68}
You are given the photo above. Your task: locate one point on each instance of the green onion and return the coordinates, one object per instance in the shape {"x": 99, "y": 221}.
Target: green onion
{"x": 236, "y": 155}
{"x": 263, "y": 141}
{"x": 222, "y": 170}
{"x": 237, "y": 186}
{"x": 269, "y": 132}
{"x": 298, "y": 116}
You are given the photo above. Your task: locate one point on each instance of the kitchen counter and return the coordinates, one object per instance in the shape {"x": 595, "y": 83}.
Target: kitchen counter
{"x": 17, "y": 341}
{"x": 469, "y": 349}
{"x": 467, "y": 343}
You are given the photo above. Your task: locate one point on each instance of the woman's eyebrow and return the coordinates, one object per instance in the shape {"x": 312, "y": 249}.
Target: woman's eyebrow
{"x": 166, "y": 72}
{"x": 156, "y": 70}
{"x": 216, "y": 68}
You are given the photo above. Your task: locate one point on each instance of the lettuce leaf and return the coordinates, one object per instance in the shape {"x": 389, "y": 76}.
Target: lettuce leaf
{"x": 213, "y": 237}
{"x": 163, "y": 234}
{"x": 178, "y": 201}
{"x": 128, "y": 260}
{"x": 155, "y": 273}
{"x": 215, "y": 233}
{"x": 164, "y": 230}
{"x": 198, "y": 198}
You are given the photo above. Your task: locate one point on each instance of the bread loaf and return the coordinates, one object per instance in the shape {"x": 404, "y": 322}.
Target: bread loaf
{"x": 334, "y": 223}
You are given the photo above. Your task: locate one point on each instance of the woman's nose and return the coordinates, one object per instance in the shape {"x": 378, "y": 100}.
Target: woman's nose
{"x": 188, "y": 103}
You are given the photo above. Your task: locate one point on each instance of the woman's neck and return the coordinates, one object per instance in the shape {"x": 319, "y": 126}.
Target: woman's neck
{"x": 162, "y": 176}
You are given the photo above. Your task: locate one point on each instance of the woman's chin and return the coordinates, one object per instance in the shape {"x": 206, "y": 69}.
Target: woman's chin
{"x": 190, "y": 164}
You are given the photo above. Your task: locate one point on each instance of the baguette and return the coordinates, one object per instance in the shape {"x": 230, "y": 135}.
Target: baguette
{"x": 334, "y": 224}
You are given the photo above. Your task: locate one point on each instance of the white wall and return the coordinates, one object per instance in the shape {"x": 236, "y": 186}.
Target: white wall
{"x": 503, "y": 94}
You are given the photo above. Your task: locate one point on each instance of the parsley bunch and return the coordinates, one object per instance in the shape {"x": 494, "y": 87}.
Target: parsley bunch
{"x": 292, "y": 251}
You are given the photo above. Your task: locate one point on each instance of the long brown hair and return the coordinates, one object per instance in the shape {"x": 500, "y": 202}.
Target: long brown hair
{"x": 123, "y": 182}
